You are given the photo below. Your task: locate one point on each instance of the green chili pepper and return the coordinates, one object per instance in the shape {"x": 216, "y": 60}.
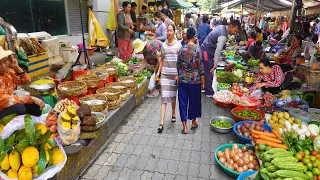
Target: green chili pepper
{"x": 309, "y": 148}
{"x": 301, "y": 143}
{"x": 292, "y": 149}
{"x": 298, "y": 147}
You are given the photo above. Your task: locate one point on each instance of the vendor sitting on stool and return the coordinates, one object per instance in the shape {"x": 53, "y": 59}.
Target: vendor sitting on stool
{"x": 12, "y": 75}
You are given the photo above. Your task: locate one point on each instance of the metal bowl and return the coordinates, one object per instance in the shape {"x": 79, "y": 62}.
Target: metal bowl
{"x": 222, "y": 130}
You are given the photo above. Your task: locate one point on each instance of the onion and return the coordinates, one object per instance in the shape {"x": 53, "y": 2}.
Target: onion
{"x": 240, "y": 162}
{"x": 236, "y": 158}
{"x": 246, "y": 160}
{"x": 251, "y": 166}
{"x": 257, "y": 168}
{"x": 255, "y": 162}
{"x": 245, "y": 168}
{"x": 250, "y": 158}
{"x": 235, "y": 165}
{"x": 240, "y": 169}
{"x": 220, "y": 154}
{"x": 222, "y": 160}
{"x": 230, "y": 167}
{"x": 246, "y": 154}
{"x": 235, "y": 146}
{"x": 227, "y": 153}
{"x": 240, "y": 154}
{"x": 230, "y": 161}
{"x": 244, "y": 149}
{"x": 250, "y": 152}
{"x": 238, "y": 127}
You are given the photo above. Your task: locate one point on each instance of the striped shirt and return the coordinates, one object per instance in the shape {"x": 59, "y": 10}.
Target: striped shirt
{"x": 169, "y": 66}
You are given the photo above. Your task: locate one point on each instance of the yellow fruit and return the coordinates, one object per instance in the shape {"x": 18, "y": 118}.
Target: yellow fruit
{"x": 5, "y": 163}
{"x": 35, "y": 170}
{"x": 42, "y": 127}
{"x": 297, "y": 121}
{"x": 275, "y": 119}
{"x": 30, "y": 156}
{"x": 25, "y": 173}
{"x": 71, "y": 111}
{"x": 57, "y": 156}
{"x": 66, "y": 125}
{"x": 65, "y": 117}
{"x": 47, "y": 156}
{"x": 286, "y": 115}
{"x": 275, "y": 114}
{"x": 74, "y": 126}
{"x": 280, "y": 115}
{"x": 281, "y": 121}
{"x": 48, "y": 146}
{"x": 12, "y": 174}
{"x": 290, "y": 120}
{"x": 15, "y": 160}
{"x": 1, "y": 127}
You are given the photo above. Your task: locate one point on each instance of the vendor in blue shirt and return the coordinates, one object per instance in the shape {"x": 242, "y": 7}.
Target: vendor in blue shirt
{"x": 184, "y": 40}
{"x": 203, "y": 29}
{"x": 256, "y": 50}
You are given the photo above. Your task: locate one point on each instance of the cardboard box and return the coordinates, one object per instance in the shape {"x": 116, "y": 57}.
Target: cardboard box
{"x": 51, "y": 46}
{"x": 38, "y": 63}
{"x": 69, "y": 54}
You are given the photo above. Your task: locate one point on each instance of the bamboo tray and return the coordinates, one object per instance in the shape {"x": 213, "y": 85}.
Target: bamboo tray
{"x": 91, "y": 81}
{"x": 112, "y": 94}
{"x": 97, "y": 102}
{"x": 114, "y": 104}
{"x": 112, "y": 70}
{"x": 100, "y": 73}
{"x": 125, "y": 96}
{"x": 130, "y": 82}
{"x": 118, "y": 85}
{"x": 72, "y": 88}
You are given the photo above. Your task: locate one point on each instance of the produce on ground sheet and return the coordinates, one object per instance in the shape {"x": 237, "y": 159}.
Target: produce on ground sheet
{"x": 253, "y": 62}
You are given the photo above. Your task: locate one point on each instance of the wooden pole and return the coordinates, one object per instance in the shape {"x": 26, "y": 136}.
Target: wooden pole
{"x": 257, "y": 10}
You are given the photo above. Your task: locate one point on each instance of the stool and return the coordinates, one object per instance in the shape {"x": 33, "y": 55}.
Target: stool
{"x": 92, "y": 90}
{"x": 103, "y": 83}
{"x": 78, "y": 73}
{"x": 74, "y": 98}
{"x": 113, "y": 78}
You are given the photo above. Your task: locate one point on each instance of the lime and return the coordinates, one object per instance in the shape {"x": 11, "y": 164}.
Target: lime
{"x": 309, "y": 166}
{"x": 262, "y": 147}
{"x": 268, "y": 158}
{"x": 268, "y": 148}
{"x": 305, "y": 161}
{"x": 315, "y": 171}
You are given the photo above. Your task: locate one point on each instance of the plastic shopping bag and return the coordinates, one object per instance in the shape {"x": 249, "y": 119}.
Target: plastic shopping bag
{"x": 18, "y": 123}
{"x": 214, "y": 83}
{"x": 152, "y": 83}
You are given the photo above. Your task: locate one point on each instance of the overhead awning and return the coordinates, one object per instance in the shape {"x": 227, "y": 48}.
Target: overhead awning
{"x": 181, "y": 4}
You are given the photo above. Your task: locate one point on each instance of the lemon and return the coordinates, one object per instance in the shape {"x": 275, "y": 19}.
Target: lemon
{"x": 42, "y": 127}
{"x": 57, "y": 156}
{"x": 275, "y": 119}
{"x": 1, "y": 127}
{"x": 5, "y": 163}
{"x": 30, "y": 156}
{"x": 12, "y": 174}
{"x": 15, "y": 160}
{"x": 25, "y": 173}
{"x": 286, "y": 115}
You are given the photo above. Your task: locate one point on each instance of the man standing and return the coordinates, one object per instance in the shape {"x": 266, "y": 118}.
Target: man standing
{"x": 143, "y": 11}
{"x": 212, "y": 48}
{"x": 266, "y": 28}
{"x": 133, "y": 14}
{"x": 203, "y": 29}
{"x": 189, "y": 21}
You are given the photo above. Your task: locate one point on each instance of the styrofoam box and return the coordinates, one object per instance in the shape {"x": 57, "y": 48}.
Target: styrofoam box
{"x": 40, "y": 35}
{"x": 66, "y": 44}
{"x": 69, "y": 54}
{"x": 56, "y": 60}
{"x": 51, "y": 46}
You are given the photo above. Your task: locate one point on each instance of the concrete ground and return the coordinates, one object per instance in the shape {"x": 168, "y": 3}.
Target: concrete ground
{"x": 136, "y": 151}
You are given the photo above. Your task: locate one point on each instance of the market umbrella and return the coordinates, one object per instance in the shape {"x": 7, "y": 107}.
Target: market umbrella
{"x": 112, "y": 19}
{"x": 96, "y": 35}
{"x": 180, "y": 4}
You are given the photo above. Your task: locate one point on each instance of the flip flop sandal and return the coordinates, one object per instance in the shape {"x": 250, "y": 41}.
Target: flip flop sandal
{"x": 160, "y": 128}
{"x": 183, "y": 132}
{"x": 195, "y": 127}
{"x": 173, "y": 119}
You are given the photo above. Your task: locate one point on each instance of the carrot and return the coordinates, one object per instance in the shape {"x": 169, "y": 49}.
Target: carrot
{"x": 255, "y": 136}
{"x": 276, "y": 133}
{"x": 272, "y": 144}
{"x": 266, "y": 138}
{"x": 263, "y": 133}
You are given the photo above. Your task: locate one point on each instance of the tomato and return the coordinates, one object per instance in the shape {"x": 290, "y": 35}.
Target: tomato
{"x": 314, "y": 153}
{"x": 318, "y": 156}
{"x": 319, "y": 177}
{"x": 301, "y": 153}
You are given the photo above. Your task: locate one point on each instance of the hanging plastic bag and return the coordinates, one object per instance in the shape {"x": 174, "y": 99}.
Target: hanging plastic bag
{"x": 152, "y": 83}
{"x": 18, "y": 123}
{"x": 68, "y": 135}
{"x": 214, "y": 83}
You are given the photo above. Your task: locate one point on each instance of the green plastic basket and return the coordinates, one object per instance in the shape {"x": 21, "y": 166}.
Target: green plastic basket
{"x": 225, "y": 169}
{"x": 223, "y": 88}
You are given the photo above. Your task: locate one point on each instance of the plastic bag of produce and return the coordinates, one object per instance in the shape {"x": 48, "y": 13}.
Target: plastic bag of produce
{"x": 18, "y": 123}
{"x": 152, "y": 83}
{"x": 214, "y": 83}
{"x": 68, "y": 129}
{"x": 257, "y": 93}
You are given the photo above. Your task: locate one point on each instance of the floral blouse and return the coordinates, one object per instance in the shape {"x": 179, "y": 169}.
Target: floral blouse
{"x": 8, "y": 84}
{"x": 152, "y": 50}
{"x": 189, "y": 64}
{"x": 292, "y": 56}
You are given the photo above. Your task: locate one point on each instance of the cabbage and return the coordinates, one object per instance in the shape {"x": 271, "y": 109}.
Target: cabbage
{"x": 313, "y": 129}
{"x": 316, "y": 143}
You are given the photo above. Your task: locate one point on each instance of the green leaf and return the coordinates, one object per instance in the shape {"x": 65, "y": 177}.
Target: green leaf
{"x": 42, "y": 161}
{"x": 264, "y": 176}
{"x": 43, "y": 139}
{"x": 1, "y": 144}
{"x": 30, "y": 130}
{"x": 20, "y": 135}
{"x": 8, "y": 118}
{"x": 23, "y": 143}
{"x": 2, "y": 155}
{"x": 38, "y": 134}
{"x": 52, "y": 143}
{"x": 50, "y": 158}
{"x": 9, "y": 142}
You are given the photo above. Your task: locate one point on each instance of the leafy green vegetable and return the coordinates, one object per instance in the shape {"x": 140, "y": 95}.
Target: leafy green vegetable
{"x": 23, "y": 143}
{"x": 133, "y": 60}
{"x": 8, "y": 118}
{"x": 50, "y": 159}
{"x": 139, "y": 80}
{"x": 228, "y": 77}
{"x": 223, "y": 85}
{"x": 9, "y": 142}
{"x": 221, "y": 124}
{"x": 1, "y": 144}
{"x": 43, "y": 139}
{"x": 42, "y": 161}
{"x": 145, "y": 73}
{"x": 253, "y": 62}
{"x": 30, "y": 130}
{"x": 52, "y": 143}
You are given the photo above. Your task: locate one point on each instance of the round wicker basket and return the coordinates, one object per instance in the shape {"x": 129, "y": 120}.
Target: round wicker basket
{"x": 130, "y": 82}
{"x": 91, "y": 81}
{"x": 72, "y": 88}
{"x": 99, "y": 105}
{"x": 111, "y": 93}
{"x": 100, "y": 73}
{"x": 112, "y": 70}
{"x": 125, "y": 96}
{"x": 118, "y": 85}
{"x": 114, "y": 104}
{"x": 133, "y": 90}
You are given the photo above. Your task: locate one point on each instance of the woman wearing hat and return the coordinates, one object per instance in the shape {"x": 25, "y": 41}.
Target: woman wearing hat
{"x": 12, "y": 75}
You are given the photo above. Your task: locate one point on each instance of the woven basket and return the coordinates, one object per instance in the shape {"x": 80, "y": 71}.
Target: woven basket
{"x": 111, "y": 93}
{"x": 118, "y": 85}
{"x": 114, "y": 104}
{"x": 98, "y": 107}
{"x": 133, "y": 90}
{"x": 72, "y": 88}
{"x": 91, "y": 81}
{"x": 130, "y": 82}
{"x": 125, "y": 96}
{"x": 100, "y": 73}
{"x": 112, "y": 70}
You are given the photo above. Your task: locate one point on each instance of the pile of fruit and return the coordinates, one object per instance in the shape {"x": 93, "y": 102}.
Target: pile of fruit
{"x": 29, "y": 151}
{"x": 51, "y": 124}
{"x": 68, "y": 126}
{"x": 285, "y": 94}
{"x": 278, "y": 119}
{"x": 238, "y": 159}
{"x": 267, "y": 99}
{"x": 247, "y": 129}
{"x": 229, "y": 53}
{"x": 235, "y": 88}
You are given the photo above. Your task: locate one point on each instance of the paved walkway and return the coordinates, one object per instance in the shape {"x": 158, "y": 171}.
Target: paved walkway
{"x": 135, "y": 150}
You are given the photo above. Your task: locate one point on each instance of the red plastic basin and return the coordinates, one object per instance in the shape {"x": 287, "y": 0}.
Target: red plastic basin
{"x": 238, "y": 118}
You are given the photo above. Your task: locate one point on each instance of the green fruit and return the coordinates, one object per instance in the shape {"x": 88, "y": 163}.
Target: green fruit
{"x": 307, "y": 156}
{"x": 266, "y": 164}
{"x": 309, "y": 166}
{"x": 306, "y": 152}
{"x": 312, "y": 158}
{"x": 262, "y": 147}
{"x": 298, "y": 156}
{"x": 267, "y": 158}
{"x": 315, "y": 164}
{"x": 305, "y": 169}
{"x": 268, "y": 148}
{"x": 305, "y": 161}
{"x": 315, "y": 171}
{"x": 309, "y": 174}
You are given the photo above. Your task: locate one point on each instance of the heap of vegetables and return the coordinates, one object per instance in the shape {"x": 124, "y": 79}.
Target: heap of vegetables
{"x": 249, "y": 114}
{"x": 253, "y": 62}
{"x": 229, "y": 53}
{"x": 248, "y": 129}
{"x": 228, "y": 77}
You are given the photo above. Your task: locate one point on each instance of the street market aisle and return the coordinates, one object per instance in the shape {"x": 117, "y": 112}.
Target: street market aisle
{"x": 136, "y": 151}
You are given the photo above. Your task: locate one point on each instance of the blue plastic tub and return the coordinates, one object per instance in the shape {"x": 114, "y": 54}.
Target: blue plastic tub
{"x": 244, "y": 139}
{"x": 279, "y": 104}
{"x": 244, "y": 175}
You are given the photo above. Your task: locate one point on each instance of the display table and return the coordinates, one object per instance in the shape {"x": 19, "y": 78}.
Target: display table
{"x": 78, "y": 162}
{"x": 312, "y": 78}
